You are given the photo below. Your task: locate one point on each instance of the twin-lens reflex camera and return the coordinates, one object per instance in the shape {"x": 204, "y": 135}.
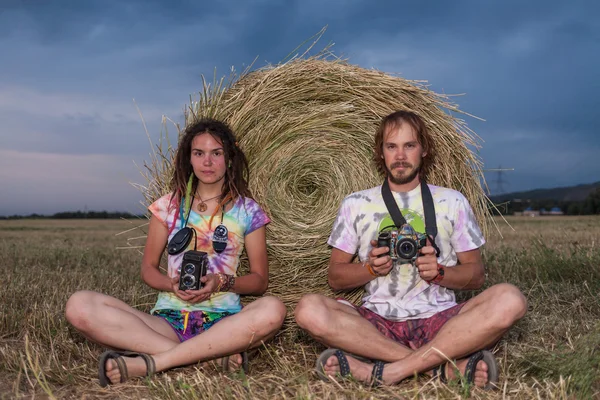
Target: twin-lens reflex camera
{"x": 193, "y": 267}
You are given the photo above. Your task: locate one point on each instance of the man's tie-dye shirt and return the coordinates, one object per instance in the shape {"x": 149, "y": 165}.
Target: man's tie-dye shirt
{"x": 244, "y": 217}
{"x": 402, "y": 294}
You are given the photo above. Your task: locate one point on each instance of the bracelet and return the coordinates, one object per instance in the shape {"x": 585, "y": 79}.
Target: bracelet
{"x": 228, "y": 282}
{"x": 369, "y": 268}
{"x": 438, "y": 278}
{"x": 221, "y": 282}
{"x": 231, "y": 282}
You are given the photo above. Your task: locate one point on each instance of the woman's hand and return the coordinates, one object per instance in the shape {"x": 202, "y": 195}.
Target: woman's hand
{"x": 210, "y": 281}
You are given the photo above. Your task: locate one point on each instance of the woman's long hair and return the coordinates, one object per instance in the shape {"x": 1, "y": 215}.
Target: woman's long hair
{"x": 236, "y": 173}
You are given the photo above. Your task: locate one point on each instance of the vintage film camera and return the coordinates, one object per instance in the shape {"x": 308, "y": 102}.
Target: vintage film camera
{"x": 193, "y": 267}
{"x": 404, "y": 243}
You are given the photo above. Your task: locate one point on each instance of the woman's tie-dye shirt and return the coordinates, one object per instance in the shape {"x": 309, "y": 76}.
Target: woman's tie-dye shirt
{"x": 244, "y": 217}
{"x": 402, "y": 294}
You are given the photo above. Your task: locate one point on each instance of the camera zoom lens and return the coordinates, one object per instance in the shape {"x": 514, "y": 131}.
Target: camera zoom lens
{"x": 407, "y": 249}
{"x": 189, "y": 280}
{"x": 189, "y": 268}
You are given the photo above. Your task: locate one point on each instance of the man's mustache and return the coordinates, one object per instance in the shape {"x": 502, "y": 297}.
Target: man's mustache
{"x": 400, "y": 164}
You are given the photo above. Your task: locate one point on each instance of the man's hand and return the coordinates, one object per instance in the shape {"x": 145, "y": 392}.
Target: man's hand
{"x": 381, "y": 265}
{"x": 427, "y": 263}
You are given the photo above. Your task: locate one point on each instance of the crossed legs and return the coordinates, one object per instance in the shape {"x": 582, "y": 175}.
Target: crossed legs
{"x": 479, "y": 324}
{"x": 114, "y": 324}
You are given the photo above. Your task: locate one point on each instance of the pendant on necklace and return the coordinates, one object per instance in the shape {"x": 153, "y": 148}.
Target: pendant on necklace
{"x": 202, "y": 206}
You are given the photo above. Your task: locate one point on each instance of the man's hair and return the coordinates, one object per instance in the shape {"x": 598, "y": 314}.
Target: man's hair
{"x": 394, "y": 120}
{"x": 236, "y": 175}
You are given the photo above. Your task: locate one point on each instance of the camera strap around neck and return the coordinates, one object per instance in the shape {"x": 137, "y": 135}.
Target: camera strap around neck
{"x": 428, "y": 209}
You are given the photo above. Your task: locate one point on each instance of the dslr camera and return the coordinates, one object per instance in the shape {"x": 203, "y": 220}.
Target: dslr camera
{"x": 193, "y": 267}
{"x": 404, "y": 243}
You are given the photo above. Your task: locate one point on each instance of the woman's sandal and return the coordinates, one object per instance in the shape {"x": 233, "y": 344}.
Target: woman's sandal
{"x": 118, "y": 357}
{"x": 245, "y": 365}
{"x": 469, "y": 375}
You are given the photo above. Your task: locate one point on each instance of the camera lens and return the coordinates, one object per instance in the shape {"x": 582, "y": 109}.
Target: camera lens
{"x": 406, "y": 248}
{"x": 189, "y": 280}
{"x": 189, "y": 268}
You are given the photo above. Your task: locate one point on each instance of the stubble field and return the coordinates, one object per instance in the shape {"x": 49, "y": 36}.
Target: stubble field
{"x": 554, "y": 352}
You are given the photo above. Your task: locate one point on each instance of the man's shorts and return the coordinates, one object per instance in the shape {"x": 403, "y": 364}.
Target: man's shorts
{"x": 189, "y": 324}
{"x": 412, "y": 333}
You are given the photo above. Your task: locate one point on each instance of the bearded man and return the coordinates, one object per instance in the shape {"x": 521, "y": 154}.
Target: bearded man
{"x": 411, "y": 261}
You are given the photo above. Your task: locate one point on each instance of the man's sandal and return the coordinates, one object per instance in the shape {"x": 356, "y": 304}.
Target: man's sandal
{"x": 345, "y": 367}
{"x": 245, "y": 365}
{"x": 469, "y": 375}
{"x": 118, "y": 357}
{"x": 377, "y": 373}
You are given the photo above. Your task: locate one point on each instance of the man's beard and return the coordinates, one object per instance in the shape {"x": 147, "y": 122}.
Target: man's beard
{"x": 403, "y": 179}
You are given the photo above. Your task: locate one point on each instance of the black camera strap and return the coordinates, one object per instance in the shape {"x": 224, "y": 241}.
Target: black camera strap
{"x": 428, "y": 209}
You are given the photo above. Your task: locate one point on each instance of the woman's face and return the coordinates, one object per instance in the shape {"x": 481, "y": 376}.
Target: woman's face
{"x": 208, "y": 159}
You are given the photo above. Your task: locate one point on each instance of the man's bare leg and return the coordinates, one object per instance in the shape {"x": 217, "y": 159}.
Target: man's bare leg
{"x": 341, "y": 326}
{"x": 480, "y": 323}
{"x": 255, "y": 324}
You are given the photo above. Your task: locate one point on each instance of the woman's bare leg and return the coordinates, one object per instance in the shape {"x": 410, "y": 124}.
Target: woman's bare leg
{"x": 255, "y": 324}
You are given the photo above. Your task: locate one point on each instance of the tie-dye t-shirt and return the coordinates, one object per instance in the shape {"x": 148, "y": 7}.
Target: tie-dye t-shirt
{"x": 402, "y": 294}
{"x": 243, "y": 218}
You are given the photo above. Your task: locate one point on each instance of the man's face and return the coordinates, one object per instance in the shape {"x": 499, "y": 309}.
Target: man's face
{"x": 402, "y": 154}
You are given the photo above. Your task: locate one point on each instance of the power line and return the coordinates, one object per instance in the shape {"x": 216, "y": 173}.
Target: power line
{"x": 500, "y": 182}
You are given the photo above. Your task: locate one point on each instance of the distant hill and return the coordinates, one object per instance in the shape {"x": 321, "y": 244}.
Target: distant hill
{"x": 570, "y": 193}
{"x": 77, "y": 215}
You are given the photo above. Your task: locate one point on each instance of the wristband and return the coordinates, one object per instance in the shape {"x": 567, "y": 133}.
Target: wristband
{"x": 370, "y": 268}
{"x": 441, "y": 273}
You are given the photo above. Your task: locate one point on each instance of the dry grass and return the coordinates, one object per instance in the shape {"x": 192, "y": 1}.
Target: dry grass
{"x": 551, "y": 353}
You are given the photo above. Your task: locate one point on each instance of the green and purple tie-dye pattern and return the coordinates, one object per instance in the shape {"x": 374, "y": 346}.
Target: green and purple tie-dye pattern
{"x": 244, "y": 217}
{"x": 402, "y": 294}
{"x": 189, "y": 324}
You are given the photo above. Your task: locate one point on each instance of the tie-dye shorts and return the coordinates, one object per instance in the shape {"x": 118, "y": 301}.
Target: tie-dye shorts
{"x": 412, "y": 333}
{"x": 188, "y": 324}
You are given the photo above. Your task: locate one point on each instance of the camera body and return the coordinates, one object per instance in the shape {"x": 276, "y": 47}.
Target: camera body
{"x": 193, "y": 267}
{"x": 404, "y": 243}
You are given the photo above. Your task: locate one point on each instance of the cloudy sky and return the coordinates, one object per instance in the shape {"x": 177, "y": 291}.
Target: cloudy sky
{"x": 71, "y": 70}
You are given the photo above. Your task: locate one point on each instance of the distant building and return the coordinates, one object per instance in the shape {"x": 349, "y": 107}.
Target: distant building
{"x": 530, "y": 212}
{"x": 556, "y": 211}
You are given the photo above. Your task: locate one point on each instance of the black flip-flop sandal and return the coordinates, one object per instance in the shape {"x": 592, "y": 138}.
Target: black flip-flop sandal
{"x": 439, "y": 372}
{"x": 245, "y": 364}
{"x": 493, "y": 370}
{"x": 377, "y": 373}
{"x": 118, "y": 357}
{"x": 342, "y": 360}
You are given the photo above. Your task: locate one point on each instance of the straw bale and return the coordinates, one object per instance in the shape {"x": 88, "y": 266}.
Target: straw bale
{"x": 307, "y": 127}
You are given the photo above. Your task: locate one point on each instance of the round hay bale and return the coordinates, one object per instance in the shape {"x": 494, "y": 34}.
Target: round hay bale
{"x": 307, "y": 128}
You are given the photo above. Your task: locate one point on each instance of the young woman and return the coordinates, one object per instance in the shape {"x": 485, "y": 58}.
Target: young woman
{"x": 210, "y": 205}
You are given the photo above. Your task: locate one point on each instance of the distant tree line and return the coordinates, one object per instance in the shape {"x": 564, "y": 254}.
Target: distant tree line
{"x": 589, "y": 206}
{"x": 76, "y": 215}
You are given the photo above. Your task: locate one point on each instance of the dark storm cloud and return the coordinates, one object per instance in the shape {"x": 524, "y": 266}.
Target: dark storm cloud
{"x": 71, "y": 69}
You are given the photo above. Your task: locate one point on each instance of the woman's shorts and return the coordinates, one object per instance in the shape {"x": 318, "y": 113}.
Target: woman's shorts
{"x": 188, "y": 324}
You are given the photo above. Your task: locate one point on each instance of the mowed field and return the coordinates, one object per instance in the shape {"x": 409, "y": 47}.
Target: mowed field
{"x": 554, "y": 352}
